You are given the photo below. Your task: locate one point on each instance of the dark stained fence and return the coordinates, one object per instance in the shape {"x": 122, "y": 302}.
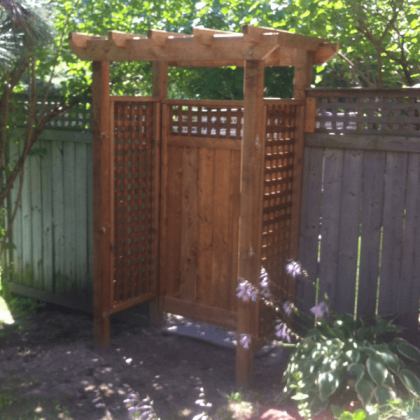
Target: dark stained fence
{"x": 360, "y": 224}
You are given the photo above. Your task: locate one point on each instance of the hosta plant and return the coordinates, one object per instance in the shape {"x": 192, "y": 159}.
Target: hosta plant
{"x": 342, "y": 359}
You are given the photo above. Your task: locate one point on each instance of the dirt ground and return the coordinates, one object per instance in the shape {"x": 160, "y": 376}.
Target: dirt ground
{"x": 49, "y": 369}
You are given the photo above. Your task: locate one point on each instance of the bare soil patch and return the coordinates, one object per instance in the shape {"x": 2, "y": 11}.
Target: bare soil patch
{"x": 50, "y": 369}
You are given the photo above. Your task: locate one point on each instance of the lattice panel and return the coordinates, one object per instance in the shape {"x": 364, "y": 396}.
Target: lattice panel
{"x": 206, "y": 121}
{"x": 277, "y": 207}
{"x": 77, "y": 118}
{"x": 134, "y": 161}
{"x": 382, "y": 113}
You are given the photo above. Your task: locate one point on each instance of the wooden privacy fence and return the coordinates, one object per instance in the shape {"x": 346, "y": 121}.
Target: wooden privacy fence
{"x": 360, "y": 225}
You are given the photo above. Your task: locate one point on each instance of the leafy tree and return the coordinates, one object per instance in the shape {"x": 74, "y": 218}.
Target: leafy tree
{"x": 378, "y": 38}
{"x": 26, "y": 51}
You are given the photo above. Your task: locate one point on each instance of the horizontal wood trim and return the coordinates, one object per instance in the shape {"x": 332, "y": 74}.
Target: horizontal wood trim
{"x": 373, "y": 120}
{"x": 201, "y": 313}
{"x": 356, "y": 106}
{"x": 135, "y": 98}
{"x": 67, "y": 300}
{"x": 60, "y": 135}
{"x": 207, "y": 142}
{"x": 204, "y": 102}
{"x": 364, "y": 142}
{"x": 132, "y": 302}
{"x": 279, "y": 101}
{"x": 365, "y": 92}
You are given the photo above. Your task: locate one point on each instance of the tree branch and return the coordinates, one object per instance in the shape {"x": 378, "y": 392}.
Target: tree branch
{"x": 353, "y": 67}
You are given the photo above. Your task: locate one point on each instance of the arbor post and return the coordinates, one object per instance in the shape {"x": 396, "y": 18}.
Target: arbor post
{"x": 250, "y": 222}
{"x": 102, "y": 204}
{"x": 160, "y": 90}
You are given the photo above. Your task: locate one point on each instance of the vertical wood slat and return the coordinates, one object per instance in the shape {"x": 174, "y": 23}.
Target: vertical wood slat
{"x": 330, "y": 214}
{"x": 69, "y": 216}
{"x": 189, "y": 223}
{"x": 47, "y": 217}
{"x": 89, "y": 186}
{"x": 234, "y": 206}
{"x": 102, "y": 199}
{"x": 250, "y": 210}
{"x": 173, "y": 192}
{"x": 27, "y": 270}
{"x": 372, "y": 206}
{"x": 36, "y": 218}
{"x": 206, "y": 195}
{"x": 81, "y": 217}
{"x": 393, "y": 214}
{"x": 16, "y": 234}
{"x": 409, "y": 284}
{"x": 58, "y": 214}
{"x": 349, "y": 230}
{"x": 220, "y": 295}
{"x": 310, "y": 224}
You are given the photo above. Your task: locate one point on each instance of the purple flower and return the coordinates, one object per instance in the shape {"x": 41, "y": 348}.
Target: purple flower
{"x": 282, "y": 333}
{"x": 294, "y": 269}
{"x": 264, "y": 283}
{"x": 246, "y": 291}
{"x": 321, "y": 310}
{"x": 245, "y": 340}
{"x": 287, "y": 308}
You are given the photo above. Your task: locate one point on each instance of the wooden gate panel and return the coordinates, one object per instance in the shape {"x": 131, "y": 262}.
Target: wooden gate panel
{"x": 202, "y": 217}
{"x": 135, "y": 222}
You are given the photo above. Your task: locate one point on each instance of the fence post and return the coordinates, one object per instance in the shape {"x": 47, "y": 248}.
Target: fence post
{"x": 250, "y": 224}
{"x": 102, "y": 204}
{"x": 160, "y": 90}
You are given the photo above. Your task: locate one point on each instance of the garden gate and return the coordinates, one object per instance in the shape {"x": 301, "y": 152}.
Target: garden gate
{"x": 197, "y": 193}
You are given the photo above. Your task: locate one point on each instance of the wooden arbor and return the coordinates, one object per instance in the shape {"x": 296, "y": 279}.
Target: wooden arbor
{"x": 154, "y": 180}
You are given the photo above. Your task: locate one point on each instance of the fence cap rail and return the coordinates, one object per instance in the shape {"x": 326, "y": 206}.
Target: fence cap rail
{"x": 361, "y": 92}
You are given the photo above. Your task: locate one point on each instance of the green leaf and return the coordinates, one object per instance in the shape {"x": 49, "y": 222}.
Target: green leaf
{"x": 368, "y": 350}
{"x": 353, "y": 355}
{"x": 357, "y": 369}
{"x": 384, "y": 394}
{"x": 365, "y": 389}
{"x": 410, "y": 380}
{"x": 390, "y": 359}
{"x": 359, "y": 415}
{"x": 328, "y": 382}
{"x": 377, "y": 369}
{"x": 409, "y": 351}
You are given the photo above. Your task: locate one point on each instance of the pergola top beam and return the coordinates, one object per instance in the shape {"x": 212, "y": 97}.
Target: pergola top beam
{"x": 206, "y": 47}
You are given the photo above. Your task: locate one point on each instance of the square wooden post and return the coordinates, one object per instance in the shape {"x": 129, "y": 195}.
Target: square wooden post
{"x": 102, "y": 204}
{"x": 160, "y": 90}
{"x": 302, "y": 80}
{"x": 250, "y": 222}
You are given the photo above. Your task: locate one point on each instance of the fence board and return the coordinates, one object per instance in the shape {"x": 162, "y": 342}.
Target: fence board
{"x": 189, "y": 223}
{"x": 15, "y": 255}
{"x": 81, "y": 225}
{"x": 205, "y": 207}
{"x": 174, "y": 225}
{"x": 47, "y": 217}
{"x": 310, "y": 227}
{"x": 69, "y": 215}
{"x": 330, "y": 214}
{"x": 221, "y": 235}
{"x": 36, "y": 216}
{"x": 27, "y": 273}
{"x": 89, "y": 182}
{"x": 372, "y": 206}
{"x": 349, "y": 230}
{"x": 58, "y": 214}
{"x": 395, "y": 182}
{"x": 409, "y": 284}
{"x": 234, "y": 201}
